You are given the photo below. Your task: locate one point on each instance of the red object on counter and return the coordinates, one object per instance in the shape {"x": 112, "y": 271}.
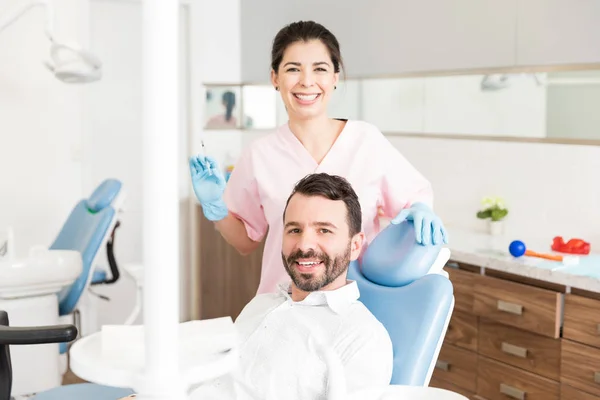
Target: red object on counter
{"x": 573, "y": 246}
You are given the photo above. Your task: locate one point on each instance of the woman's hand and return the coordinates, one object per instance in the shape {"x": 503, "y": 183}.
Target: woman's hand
{"x": 209, "y": 184}
{"x": 429, "y": 228}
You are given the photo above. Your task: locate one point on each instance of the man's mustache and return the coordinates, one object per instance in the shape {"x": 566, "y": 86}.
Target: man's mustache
{"x": 324, "y": 258}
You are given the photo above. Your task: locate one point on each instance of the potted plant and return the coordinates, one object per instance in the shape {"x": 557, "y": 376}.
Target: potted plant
{"x": 494, "y": 210}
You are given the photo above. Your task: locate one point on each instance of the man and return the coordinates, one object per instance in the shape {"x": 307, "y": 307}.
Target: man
{"x": 293, "y": 340}
{"x": 282, "y": 332}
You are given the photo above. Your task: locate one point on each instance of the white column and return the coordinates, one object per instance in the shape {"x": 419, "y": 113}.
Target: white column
{"x": 161, "y": 202}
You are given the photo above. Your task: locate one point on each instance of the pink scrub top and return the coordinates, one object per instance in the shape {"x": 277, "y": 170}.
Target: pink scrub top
{"x": 268, "y": 170}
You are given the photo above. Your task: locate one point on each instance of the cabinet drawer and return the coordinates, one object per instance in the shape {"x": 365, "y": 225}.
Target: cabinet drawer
{"x": 580, "y": 367}
{"x": 462, "y": 330}
{"x": 526, "y": 307}
{"x": 497, "y": 381}
{"x": 569, "y": 393}
{"x": 526, "y": 350}
{"x": 457, "y": 366}
{"x": 438, "y": 383}
{"x": 463, "y": 288}
{"x": 582, "y": 320}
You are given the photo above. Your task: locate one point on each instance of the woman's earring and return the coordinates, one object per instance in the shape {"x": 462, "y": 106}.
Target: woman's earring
{"x": 277, "y": 88}
{"x": 335, "y": 88}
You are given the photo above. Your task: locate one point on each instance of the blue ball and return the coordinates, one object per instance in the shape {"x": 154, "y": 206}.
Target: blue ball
{"x": 517, "y": 248}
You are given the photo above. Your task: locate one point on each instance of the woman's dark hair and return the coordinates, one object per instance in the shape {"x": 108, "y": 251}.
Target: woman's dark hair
{"x": 304, "y": 31}
{"x": 229, "y": 101}
{"x": 332, "y": 187}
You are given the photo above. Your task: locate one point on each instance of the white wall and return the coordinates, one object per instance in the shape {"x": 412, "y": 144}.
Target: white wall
{"x": 550, "y": 189}
{"x": 41, "y": 126}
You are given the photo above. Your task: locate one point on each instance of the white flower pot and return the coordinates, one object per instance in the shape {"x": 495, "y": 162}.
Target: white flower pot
{"x": 496, "y": 228}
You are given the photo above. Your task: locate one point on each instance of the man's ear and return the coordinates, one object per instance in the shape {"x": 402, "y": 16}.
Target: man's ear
{"x": 356, "y": 245}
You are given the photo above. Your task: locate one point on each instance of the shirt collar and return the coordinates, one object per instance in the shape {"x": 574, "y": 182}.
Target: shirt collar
{"x": 338, "y": 300}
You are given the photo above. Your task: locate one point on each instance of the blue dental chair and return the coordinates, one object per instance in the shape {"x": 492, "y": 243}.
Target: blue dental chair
{"x": 89, "y": 229}
{"x": 90, "y": 226}
{"x": 403, "y": 285}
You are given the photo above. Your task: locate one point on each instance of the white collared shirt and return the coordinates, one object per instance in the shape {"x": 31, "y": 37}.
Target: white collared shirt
{"x": 278, "y": 360}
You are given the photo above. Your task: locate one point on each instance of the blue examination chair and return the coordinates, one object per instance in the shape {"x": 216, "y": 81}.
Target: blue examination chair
{"x": 403, "y": 284}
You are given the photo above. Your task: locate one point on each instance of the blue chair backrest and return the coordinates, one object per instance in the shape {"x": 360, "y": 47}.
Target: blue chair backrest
{"x": 414, "y": 306}
{"x": 85, "y": 231}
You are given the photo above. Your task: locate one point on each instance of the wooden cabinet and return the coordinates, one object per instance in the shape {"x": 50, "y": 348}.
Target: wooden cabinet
{"x": 228, "y": 280}
{"x": 582, "y": 320}
{"x": 514, "y": 338}
{"x": 498, "y": 381}
{"x": 520, "y": 348}
{"x": 522, "y": 306}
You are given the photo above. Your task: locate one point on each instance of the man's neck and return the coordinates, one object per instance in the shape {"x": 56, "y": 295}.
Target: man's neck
{"x": 299, "y": 295}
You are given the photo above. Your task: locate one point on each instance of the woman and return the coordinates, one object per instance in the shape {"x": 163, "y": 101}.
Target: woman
{"x": 306, "y": 63}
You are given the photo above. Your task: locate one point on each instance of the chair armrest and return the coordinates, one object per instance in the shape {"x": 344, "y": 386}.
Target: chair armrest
{"x": 37, "y": 334}
{"x": 10, "y": 335}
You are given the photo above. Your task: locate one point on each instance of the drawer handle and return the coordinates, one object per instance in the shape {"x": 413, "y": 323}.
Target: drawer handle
{"x": 597, "y": 377}
{"x": 514, "y": 350}
{"x": 510, "y": 307}
{"x": 443, "y": 365}
{"x": 512, "y": 392}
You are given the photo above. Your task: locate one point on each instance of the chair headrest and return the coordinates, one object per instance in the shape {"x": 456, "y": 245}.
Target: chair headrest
{"x": 395, "y": 259}
{"x": 104, "y": 195}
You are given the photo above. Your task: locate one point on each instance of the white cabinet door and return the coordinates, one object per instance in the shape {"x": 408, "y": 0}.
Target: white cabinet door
{"x": 386, "y": 37}
{"x": 552, "y": 32}
{"x": 434, "y": 35}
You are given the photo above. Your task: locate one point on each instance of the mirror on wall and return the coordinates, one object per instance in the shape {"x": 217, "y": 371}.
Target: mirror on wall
{"x": 223, "y": 107}
{"x": 557, "y": 105}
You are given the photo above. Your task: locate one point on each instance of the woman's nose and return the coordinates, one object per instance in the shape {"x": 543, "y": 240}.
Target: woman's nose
{"x": 307, "y": 79}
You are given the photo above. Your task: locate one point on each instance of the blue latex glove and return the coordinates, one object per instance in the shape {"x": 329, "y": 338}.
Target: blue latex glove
{"x": 209, "y": 184}
{"x": 429, "y": 228}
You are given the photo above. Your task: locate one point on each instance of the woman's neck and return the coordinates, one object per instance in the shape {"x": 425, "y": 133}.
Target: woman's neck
{"x": 314, "y": 132}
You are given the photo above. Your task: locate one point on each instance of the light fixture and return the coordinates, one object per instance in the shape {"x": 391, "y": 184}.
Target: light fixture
{"x": 68, "y": 62}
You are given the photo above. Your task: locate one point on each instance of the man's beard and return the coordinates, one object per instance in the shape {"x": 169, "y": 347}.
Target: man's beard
{"x": 313, "y": 282}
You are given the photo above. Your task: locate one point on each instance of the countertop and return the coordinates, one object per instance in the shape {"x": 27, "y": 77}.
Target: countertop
{"x": 491, "y": 252}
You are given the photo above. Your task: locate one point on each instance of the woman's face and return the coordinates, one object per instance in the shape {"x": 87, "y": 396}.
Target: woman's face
{"x": 305, "y": 79}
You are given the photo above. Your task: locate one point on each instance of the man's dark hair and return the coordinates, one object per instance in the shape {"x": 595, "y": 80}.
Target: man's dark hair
{"x": 332, "y": 187}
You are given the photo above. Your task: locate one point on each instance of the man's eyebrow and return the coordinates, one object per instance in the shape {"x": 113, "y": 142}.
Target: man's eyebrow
{"x": 318, "y": 223}
{"x": 327, "y": 224}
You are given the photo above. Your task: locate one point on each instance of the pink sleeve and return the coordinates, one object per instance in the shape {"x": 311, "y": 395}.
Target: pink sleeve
{"x": 402, "y": 185}
{"x": 243, "y": 200}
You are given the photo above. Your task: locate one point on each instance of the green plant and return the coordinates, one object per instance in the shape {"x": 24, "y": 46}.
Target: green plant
{"x": 493, "y": 208}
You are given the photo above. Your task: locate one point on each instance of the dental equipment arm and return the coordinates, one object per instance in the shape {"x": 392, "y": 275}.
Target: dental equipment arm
{"x": 21, "y": 9}
{"x": 82, "y": 68}
{"x": 26, "y": 336}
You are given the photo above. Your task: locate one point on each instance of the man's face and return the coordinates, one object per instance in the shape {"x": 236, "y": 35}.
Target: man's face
{"x": 317, "y": 246}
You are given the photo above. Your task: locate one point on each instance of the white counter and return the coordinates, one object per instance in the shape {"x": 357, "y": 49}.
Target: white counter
{"x": 492, "y": 252}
